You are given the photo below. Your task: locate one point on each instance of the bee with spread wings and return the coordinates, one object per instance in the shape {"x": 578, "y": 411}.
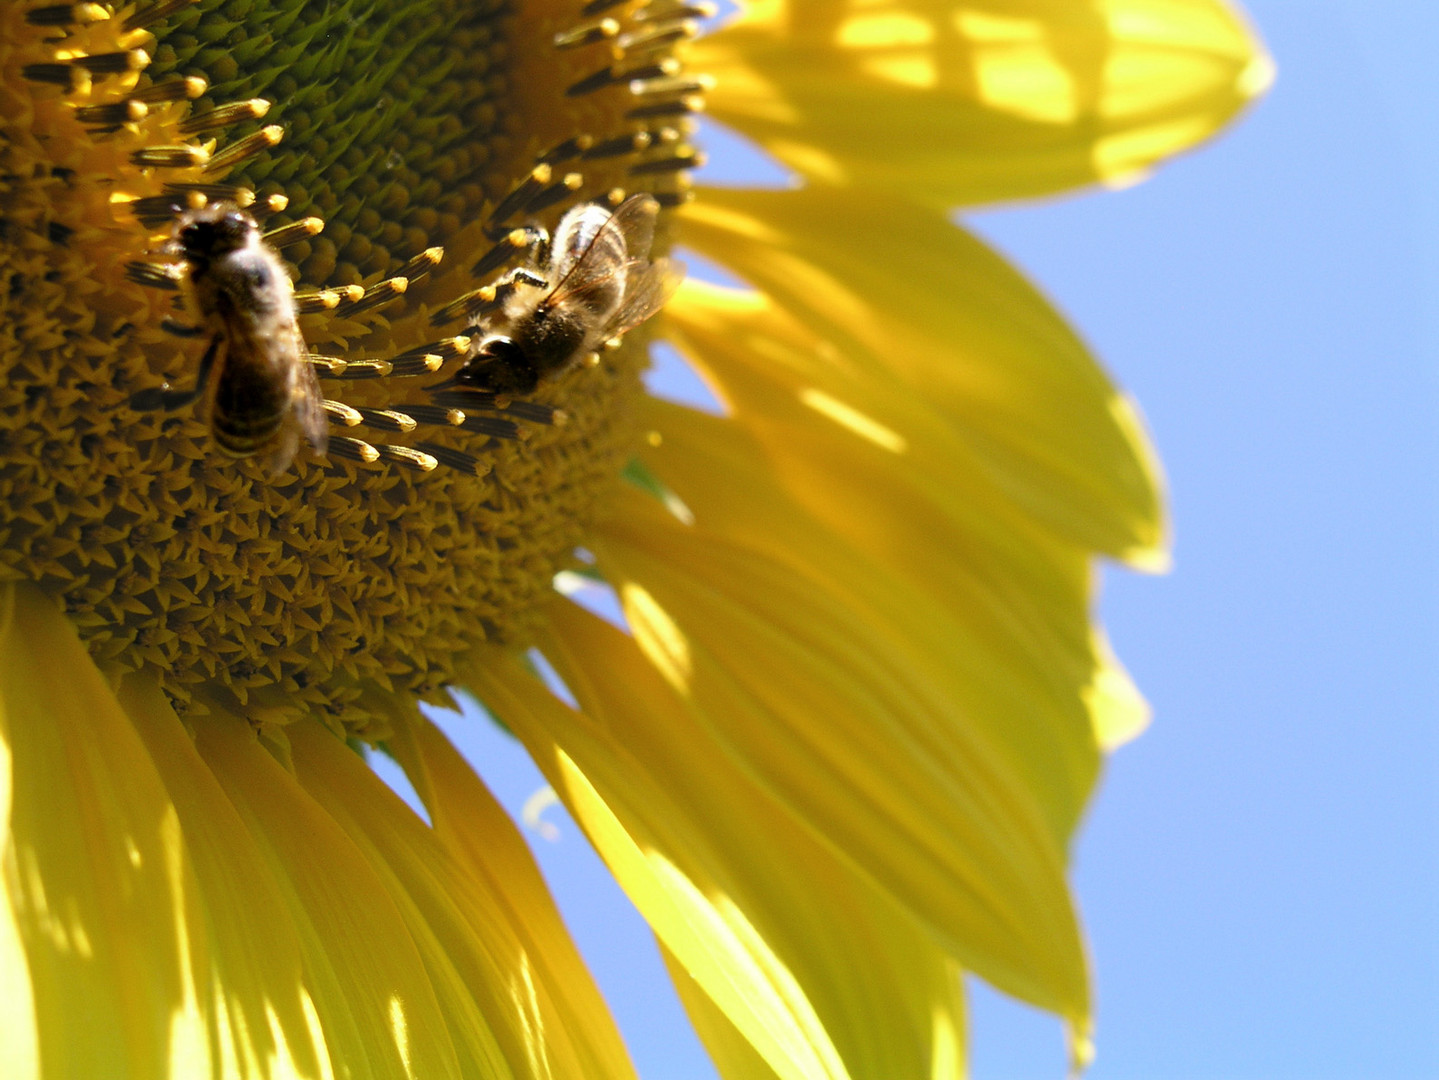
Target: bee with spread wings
{"x": 264, "y": 393}
{"x": 597, "y": 282}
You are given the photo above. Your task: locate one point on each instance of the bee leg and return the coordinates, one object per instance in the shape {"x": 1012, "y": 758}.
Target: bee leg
{"x": 163, "y": 399}
{"x": 510, "y": 284}
{"x": 539, "y": 245}
{"x": 170, "y": 326}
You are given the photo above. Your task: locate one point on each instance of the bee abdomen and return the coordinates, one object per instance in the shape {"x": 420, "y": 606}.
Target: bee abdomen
{"x": 245, "y": 434}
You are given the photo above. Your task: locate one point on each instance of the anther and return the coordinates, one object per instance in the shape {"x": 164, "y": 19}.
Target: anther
{"x": 421, "y": 264}
{"x": 240, "y": 196}
{"x": 312, "y": 303}
{"x": 272, "y": 204}
{"x": 615, "y": 75}
{"x": 190, "y": 87}
{"x": 408, "y": 457}
{"x": 342, "y": 414}
{"x": 326, "y": 366}
{"x": 533, "y": 410}
{"x": 113, "y": 63}
{"x": 179, "y": 329}
{"x": 556, "y": 192}
{"x": 170, "y": 157}
{"x": 689, "y": 158}
{"x": 262, "y": 140}
{"x": 669, "y": 84}
{"x": 156, "y": 210}
{"x": 342, "y": 446}
{"x": 388, "y": 420}
{"x": 224, "y": 116}
{"x": 154, "y": 13}
{"x": 468, "y": 399}
{"x": 468, "y": 305}
{"x": 515, "y": 242}
{"x": 587, "y": 34}
{"x": 153, "y": 275}
{"x": 382, "y": 292}
{"x": 595, "y": 80}
{"x": 424, "y": 364}
{"x": 656, "y": 12}
{"x": 446, "y": 349}
{"x": 659, "y": 36}
{"x": 568, "y": 150}
{"x": 436, "y": 415}
{"x": 454, "y": 459}
{"x": 66, "y": 15}
{"x": 56, "y": 74}
{"x": 671, "y": 200}
{"x": 526, "y": 190}
{"x": 620, "y": 145}
{"x": 595, "y": 7}
{"x": 121, "y": 112}
{"x": 494, "y": 426}
{"x": 681, "y": 106}
{"x": 365, "y": 369}
{"x": 294, "y": 232}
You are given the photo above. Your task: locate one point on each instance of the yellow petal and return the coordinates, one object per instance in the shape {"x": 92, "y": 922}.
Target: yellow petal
{"x": 886, "y": 994}
{"x": 888, "y": 311}
{"x": 813, "y": 694}
{"x": 752, "y": 906}
{"x": 368, "y": 979}
{"x": 996, "y": 621}
{"x": 735, "y": 1058}
{"x": 95, "y": 866}
{"x": 478, "y": 890}
{"x": 156, "y": 941}
{"x": 958, "y": 103}
{"x": 643, "y": 832}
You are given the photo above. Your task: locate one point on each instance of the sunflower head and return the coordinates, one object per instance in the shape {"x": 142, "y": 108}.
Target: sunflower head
{"x": 401, "y": 163}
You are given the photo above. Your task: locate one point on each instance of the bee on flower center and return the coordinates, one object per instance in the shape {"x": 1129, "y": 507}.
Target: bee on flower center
{"x": 263, "y": 392}
{"x": 593, "y": 281}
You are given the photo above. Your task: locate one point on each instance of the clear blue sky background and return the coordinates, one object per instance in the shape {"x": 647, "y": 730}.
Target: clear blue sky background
{"x": 1260, "y": 874}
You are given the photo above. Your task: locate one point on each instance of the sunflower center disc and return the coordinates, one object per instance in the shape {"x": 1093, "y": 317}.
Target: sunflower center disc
{"x": 404, "y": 129}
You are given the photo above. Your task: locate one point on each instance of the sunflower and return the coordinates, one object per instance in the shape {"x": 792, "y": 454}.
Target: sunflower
{"x": 838, "y": 752}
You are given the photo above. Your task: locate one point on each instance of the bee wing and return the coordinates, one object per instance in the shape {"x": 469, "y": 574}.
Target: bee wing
{"x": 620, "y": 243}
{"x": 306, "y": 400}
{"x": 648, "y": 285}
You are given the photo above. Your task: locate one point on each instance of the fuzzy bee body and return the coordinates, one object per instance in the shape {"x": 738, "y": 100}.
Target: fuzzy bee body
{"x": 263, "y": 392}
{"x": 598, "y": 283}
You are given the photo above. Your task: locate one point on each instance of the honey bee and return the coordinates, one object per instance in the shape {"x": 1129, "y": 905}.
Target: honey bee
{"x": 599, "y": 282}
{"x": 263, "y": 391}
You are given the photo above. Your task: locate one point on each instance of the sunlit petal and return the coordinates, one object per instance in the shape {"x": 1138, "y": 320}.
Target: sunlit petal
{"x": 993, "y": 389}
{"x": 962, "y": 103}
{"x": 832, "y": 718}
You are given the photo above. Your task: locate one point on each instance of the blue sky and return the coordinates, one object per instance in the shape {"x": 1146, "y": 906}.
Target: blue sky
{"x": 1260, "y": 873}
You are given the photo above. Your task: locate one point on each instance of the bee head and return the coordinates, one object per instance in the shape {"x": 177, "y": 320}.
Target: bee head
{"x": 499, "y": 366}
{"x": 214, "y": 232}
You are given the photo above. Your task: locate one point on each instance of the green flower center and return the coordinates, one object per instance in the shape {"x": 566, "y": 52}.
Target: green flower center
{"x": 434, "y": 523}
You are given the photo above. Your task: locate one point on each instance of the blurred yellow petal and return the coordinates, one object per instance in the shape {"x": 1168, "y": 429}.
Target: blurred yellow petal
{"x": 768, "y": 907}
{"x": 366, "y": 971}
{"x": 910, "y": 320}
{"x": 735, "y": 1058}
{"x": 495, "y": 946}
{"x": 628, "y": 821}
{"x": 957, "y": 102}
{"x": 95, "y": 866}
{"x": 808, "y": 693}
{"x": 997, "y": 624}
{"x": 184, "y": 905}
